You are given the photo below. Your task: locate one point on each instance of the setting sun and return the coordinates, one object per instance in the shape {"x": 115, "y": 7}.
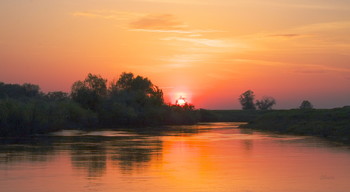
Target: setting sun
{"x": 175, "y": 95}
{"x": 212, "y": 50}
{"x": 181, "y": 101}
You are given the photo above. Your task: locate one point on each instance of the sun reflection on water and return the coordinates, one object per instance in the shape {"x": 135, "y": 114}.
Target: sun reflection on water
{"x": 203, "y": 157}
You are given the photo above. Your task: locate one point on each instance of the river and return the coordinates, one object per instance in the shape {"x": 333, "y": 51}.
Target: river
{"x": 201, "y": 158}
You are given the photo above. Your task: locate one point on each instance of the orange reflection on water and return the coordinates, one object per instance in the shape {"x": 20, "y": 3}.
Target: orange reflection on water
{"x": 188, "y": 161}
{"x": 215, "y": 157}
{"x": 205, "y": 162}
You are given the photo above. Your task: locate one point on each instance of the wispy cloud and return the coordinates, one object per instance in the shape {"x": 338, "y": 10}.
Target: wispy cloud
{"x": 302, "y": 68}
{"x": 316, "y": 38}
{"x": 158, "y": 22}
{"x": 288, "y": 35}
{"x": 165, "y": 23}
{"x": 326, "y": 26}
{"x": 135, "y": 21}
{"x": 221, "y": 76}
{"x": 309, "y": 30}
{"x": 172, "y": 62}
{"x": 162, "y": 31}
{"x": 310, "y": 71}
{"x": 320, "y": 69}
{"x": 202, "y": 41}
{"x": 182, "y": 60}
{"x": 316, "y": 5}
{"x": 257, "y": 62}
{"x": 108, "y": 14}
{"x": 191, "y": 33}
{"x": 191, "y": 2}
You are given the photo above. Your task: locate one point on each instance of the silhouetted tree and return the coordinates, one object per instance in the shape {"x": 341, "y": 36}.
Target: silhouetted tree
{"x": 19, "y": 91}
{"x": 247, "y": 100}
{"x": 31, "y": 90}
{"x": 125, "y": 81}
{"x": 133, "y": 100}
{"x": 265, "y": 103}
{"x": 89, "y": 93}
{"x": 130, "y": 101}
{"x": 137, "y": 90}
{"x": 306, "y": 105}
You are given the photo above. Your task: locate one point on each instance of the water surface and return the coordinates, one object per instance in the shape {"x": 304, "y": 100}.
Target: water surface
{"x": 203, "y": 157}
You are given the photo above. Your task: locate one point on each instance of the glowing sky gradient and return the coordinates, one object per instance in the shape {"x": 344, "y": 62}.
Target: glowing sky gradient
{"x": 209, "y": 51}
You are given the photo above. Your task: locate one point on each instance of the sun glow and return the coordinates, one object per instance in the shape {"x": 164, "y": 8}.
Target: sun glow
{"x": 181, "y": 101}
{"x": 187, "y": 51}
{"x": 180, "y": 97}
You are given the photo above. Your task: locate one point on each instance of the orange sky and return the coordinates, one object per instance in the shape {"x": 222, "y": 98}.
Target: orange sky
{"x": 210, "y": 51}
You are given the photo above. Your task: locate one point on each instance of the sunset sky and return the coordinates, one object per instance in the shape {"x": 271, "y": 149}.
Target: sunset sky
{"x": 208, "y": 51}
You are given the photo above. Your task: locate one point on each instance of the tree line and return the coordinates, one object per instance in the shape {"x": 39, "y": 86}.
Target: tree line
{"x": 130, "y": 101}
{"x": 247, "y": 100}
{"x": 331, "y": 124}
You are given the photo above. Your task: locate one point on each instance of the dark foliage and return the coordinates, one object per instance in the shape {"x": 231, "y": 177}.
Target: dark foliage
{"x": 132, "y": 101}
{"x": 90, "y": 92}
{"x": 265, "y": 103}
{"x": 333, "y": 124}
{"x": 19, "y": 91}
{"x": 176, "y": 114}
{"x": 57, "y": 96}
{"x": 305, "y": 105}
{"x": 247, "y": 100}
{"x": 37, "y": 116}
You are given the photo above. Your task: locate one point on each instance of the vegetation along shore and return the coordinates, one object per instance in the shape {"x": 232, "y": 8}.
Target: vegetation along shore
{"x": 135, "y": 102}
{"x": 332, "y": 124}
{"x": 131, "y": 101}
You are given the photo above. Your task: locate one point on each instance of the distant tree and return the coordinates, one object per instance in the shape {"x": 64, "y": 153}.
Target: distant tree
{"x": 247, "y": 100}
{"x": 306, "y": 105}
{"x": 90, "y": 92}
{"x": 265, "y": 103}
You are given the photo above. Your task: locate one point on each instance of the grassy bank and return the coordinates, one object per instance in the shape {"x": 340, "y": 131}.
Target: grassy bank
{"x": 332, "y": 124}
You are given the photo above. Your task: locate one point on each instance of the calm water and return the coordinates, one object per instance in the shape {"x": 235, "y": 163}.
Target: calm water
{"x": 205, "y": 157}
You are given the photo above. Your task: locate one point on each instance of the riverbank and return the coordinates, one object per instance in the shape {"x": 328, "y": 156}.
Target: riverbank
{"x": 36, "y": 116}
{"x": 331, "y": 124}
